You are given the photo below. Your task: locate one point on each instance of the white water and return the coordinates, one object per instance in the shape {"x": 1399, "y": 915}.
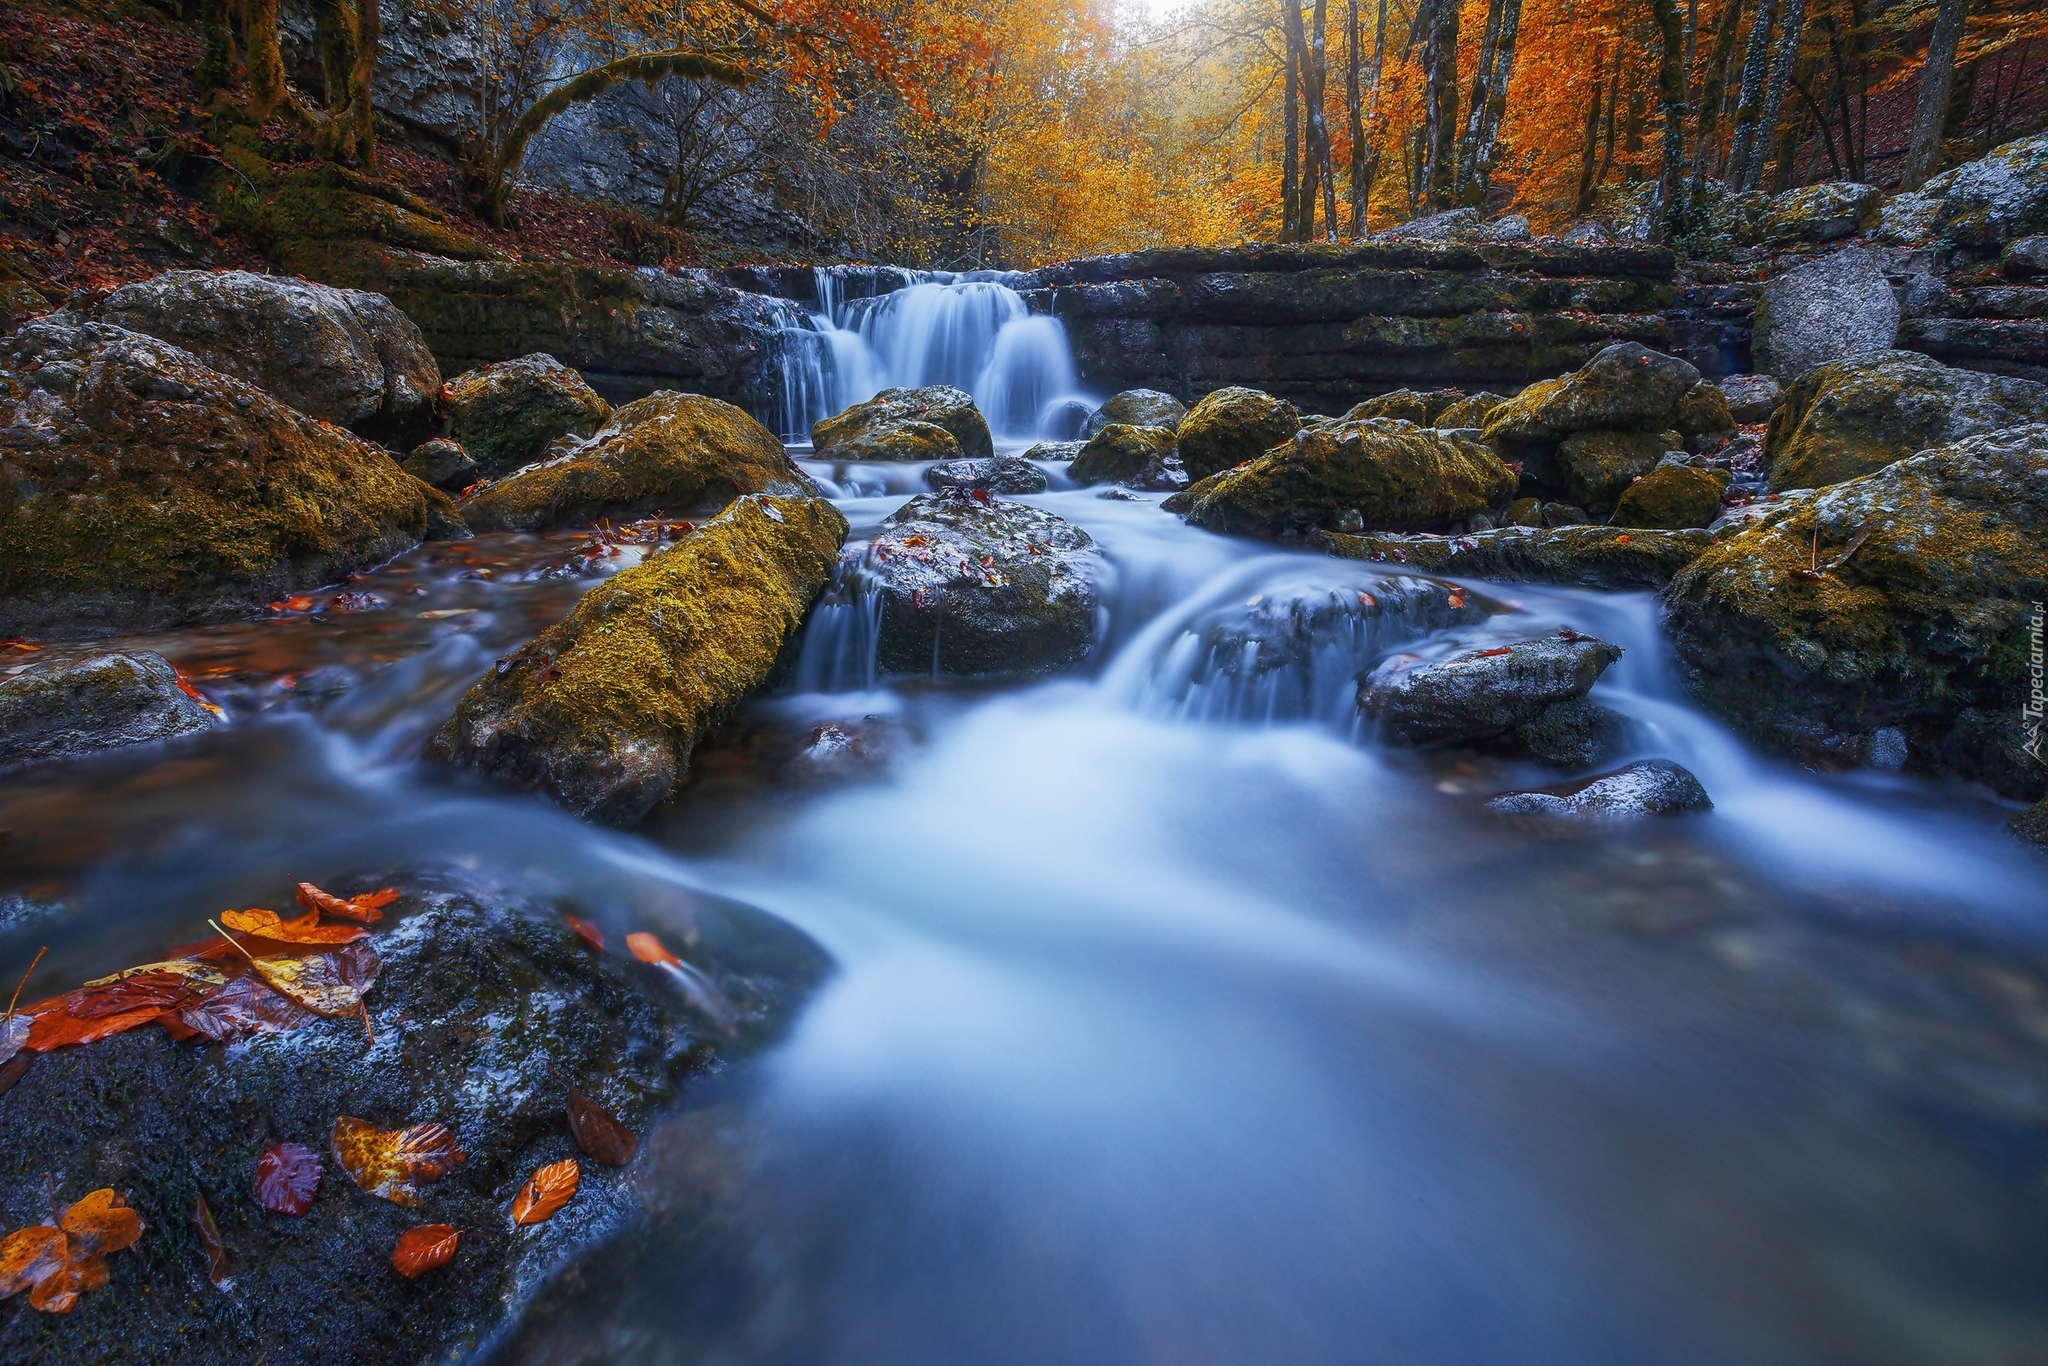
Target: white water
{"x": 973, "y": 333}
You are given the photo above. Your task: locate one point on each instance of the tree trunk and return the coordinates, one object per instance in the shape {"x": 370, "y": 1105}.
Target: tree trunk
{"x": 362, "y": 81}
{"x": 1671, "y": 98}
{"x": 1354, "y": 110}
{"x": 1475, "y": 104}
{"x": 218, "y": 56}
{"x": 1440, "y": 105}
{"x": 266, "y": 66}
{"x": 1589, "y": 152}
{"x": 1714, "y": 92}
{"x": 1937, "y": 76}
{"x": 1749, "y": 102}
{"x": 1789, "y": 34}
{"x": 1366, "y": 165}
{"x": 1290, "y": 122}
{"x": 1496, "y": 101}
{"x": 1315, "y": 91}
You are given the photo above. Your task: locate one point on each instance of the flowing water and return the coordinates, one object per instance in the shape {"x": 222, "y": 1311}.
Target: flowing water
{"x": 1175, "y": 1020}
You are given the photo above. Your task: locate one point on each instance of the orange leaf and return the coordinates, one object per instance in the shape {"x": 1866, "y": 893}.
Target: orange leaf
{"x": 366, "y": 908}
{"x": 546, "y": 1191}
{"x": 587, "y": 932}
{"x": 29, "y": 1256}
{"x": 424, "y": 1248}
{"x": 57, "y": 1265}
{"x": 1495, "y": 652}
{"x": 598, "y": 1133}
{"x": 330, "y": 983}
{"x": 100, "y": 1222}
{"x": 210, "y": 1243}
{"x": 648, "y": 949}
{"x": 393, "y": 1163}
{"x": 306, "y": 929}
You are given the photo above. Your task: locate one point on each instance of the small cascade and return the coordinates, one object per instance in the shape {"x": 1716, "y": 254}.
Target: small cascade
{"x": 840, "y": 640}
{"x": 972, "y": 332}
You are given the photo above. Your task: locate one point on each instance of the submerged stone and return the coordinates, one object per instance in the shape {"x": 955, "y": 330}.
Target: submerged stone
{"x": 1485, "y": 694}
{"x": 1650, "y": 787}
{"x": 80, "y": 707}
{"x": 998, "y": 474}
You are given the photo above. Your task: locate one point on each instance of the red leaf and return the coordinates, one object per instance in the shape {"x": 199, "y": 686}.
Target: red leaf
{"x": 422, "y": 1249}
{"x": 587, "y": 932}
{"x": 366, "y": 908}
{"x": 597, "y": 1133}
{"x": 287, "y": 1175}
{"x": 1500, "y": 650}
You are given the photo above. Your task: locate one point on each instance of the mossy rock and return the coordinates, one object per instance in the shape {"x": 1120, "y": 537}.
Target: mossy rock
{"x": 1998, "y": 198}
{"x": 1392, "y": 475}
{"x": 442, "y": 463}
{"x": 141, "y": 489}
{"x": 1626, "y": 387}
{"x": 507, "y": 415}
{"x": 1472, "y": 410}
{"x": 1900, "y": 599}
{"x": 1121, "y": 454}
{"x": 1404, "y": 404}
{"x": 1672, "y": 498}
{"x": 1705, "y": 417}
{"x": 302, "y": 217}
{"x": 602, "y": 710}
{"x": 1231, "y": 426}
{"x": 1578, "y": 556}
{"x": 861, "y": 432}
{"x": 68, "y": 709}
{"x": 1826, "y": 212}
{"x": 1598, "y": 465}
{"x": 680, "y": 454}
{"x": 1854, "y": 416}
{"x": 898, "y": 441}
{"x": 1137, "y": 408}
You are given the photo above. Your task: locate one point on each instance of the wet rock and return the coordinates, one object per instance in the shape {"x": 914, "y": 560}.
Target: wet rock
{"x": 1825, "y": 212}
{"x": 1751, "y": 398}
{"x": 1405, "y": 404}
{"x": 1855, "y": 416}
{"x": 1524, "y": 512}
{"x": 1649, "y": 787}
{"x": 65, "y": 710}
{"x": 1054, "y": 450}
{"x": 1899, "y": 599}
{"x": 1582, "y": 556}
{"x": 442, "y": 463}
{"x": 601, "y": 711}
{"x": 1137, "y": 408}
{"x": 1672, "y": 498}
{"x": 1598, "y": 465}
{"x": 1626, "y": 387}
{"x": 1564, "y": 514}
{"x": 1840, "y": 305}
{"x": 444, "y": 519}
{"x": 1470, "y": 411}
{"x": 882, "y": 428}
{"x": 1705, "y": 418}
{"x": 968, "y": 587}
{"x": 140, "y": 488}
{"x": 680, "y": 454}
{"x": 1998, "y": 198}
{"x": 998, "y": 474}
{"x": 1453, "y": 225}
{"x": 340, "y": 354}
{"x": 1393, "y": 475}
{"x": 1231, "y": 426}
{"x": 2031, "y": 824}
{"x": 481, "y": 1004}
{"x": 1570, "y": 734}
{"x": 1137, "y": 457}
{"x": 1502, "y": 693}
{"x": 507, "y": 415}
{"x": 2025, "y": 259}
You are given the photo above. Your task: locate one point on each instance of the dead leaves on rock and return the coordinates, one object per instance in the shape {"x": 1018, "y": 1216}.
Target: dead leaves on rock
{"x": 59, "y": 1261}
{"x": 546, "y": 1191}
{"x": 210, "y": 1243}
{"x": 305, "y": 929}
{"x": 424, "y": 1248}
{"x": 367, "y": 908}
{"x": 598, "y": 1133}
{"x": 394, "y": 1163}
{"x": 287, "y": 1175}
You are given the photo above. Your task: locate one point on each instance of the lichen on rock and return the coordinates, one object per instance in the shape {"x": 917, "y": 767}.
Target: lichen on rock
{"x": 1672, "y": 498}
{"x": 507, "y": 415}
{"x": 1626, "y": 387}
{"x": 895, "y": 425}
{"x": 1231, "y": 426}
{"x": 1137, "y": 408}
{"x": 1135, "y": 456}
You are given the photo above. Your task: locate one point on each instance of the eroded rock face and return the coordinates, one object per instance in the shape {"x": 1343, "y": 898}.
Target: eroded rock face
{"x": 998, "y": 474}
{"x": 1582, "y": 556}
{"x": 140, "y": 488}
{"x": 1649, "y": 787}
{"x": 1382, "y": 473}
{"x": 1672, "y": 498}
{"x": 894, "y": 425}
{"x": 602, "y": 710}
{"x": 981, "y": 587}
{"x": 1139, "y": 457}
{"x": 1856, "y": 416}
{"x": 1137, "y": 408}
{"x": 1487, "y": 695}
{"x": 1627, "y": 387}
{"x": 65, "y": 711}
{"x": 1840, "y": 305}
{"x": 680, "y": 454}
{"x": 507, "y": 415}
{"x": 340, "y": 354}
{"x": 1998, "y": 198}
{"x": 1231, "y": 426}
{"x": 1908, "y": 612}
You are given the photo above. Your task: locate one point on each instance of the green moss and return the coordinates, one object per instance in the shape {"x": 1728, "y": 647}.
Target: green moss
{"x": 862, "y": 431}
{"x": 1405, "y": 404}
{"x": 1585, "y": 556}
{"x": 311, "y": 219}
{"x": 1469, "y": 411}
{"x": 1672, "y": 498}
{"x": 603, "y": 709}
{"x": 1231, "y": 426}
{"x": 1120, "y": 453}
{"x": 1598, "y": 465}
{"x": 1704, "y": 413}
{"x": 906, "y": 440}
{"x": 507, "y": 415}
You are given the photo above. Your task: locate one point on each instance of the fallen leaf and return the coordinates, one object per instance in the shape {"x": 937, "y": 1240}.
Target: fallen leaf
{"x": 329, "y": 983}
{"x": 30, "y": 1256}
{"x": 392, "y": 1163}
{"x": 100, "y": 1222}
{"x": 305, "y": 929}
{"x": 209, "y": 1242}
{"x": 1496, "y": 652}
{"x": 368, "y": 907}
{"x": 443, "y": 613}
{"x": 112, "y": 1005}
{"x": 424, "y": 1248}
{"x": 13, "y": 1070}
{"x": 287, "y": 1175}
{"x": 597, "y": 1133}
{"x": 297, "y": 602}
{"x": 587, "y": 932}
{"x": 546, "y": 1191}
{"x": 246, "y": 1005}
{"x": 1621, "y": 540}
{"x": 648, "y": 949}
{"x": 59, "y": 1264}
{"x": 13, "y": 1034}
{"x": 17, "y": 643}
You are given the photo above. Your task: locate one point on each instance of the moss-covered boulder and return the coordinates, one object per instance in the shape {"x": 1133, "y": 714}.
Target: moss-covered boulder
{"x": 76, "y": 707}
{"x": 141, "y": 488}
{"x": 1231, "y": 426}
{"x": 1899, "y": 600}
{"x": 1380, "y": 474}
{"x": 1408, "y": 405}
{"x": 1120, "y": 454}
{"x": 1826, "y": 212}
{"x": 1580, "y": 556}
{"x": 480, "y": 1009}
{"x": 1857, "y": 415}
{"x": 1137, "y": 408}
{"x": 1626, "y": 387}
{"x": 1598, "y": 465}
{"x": 680, "y": 454}
{"x": 869, "y": 431}
{"x": 1472, "y": 410}
{"x": 1672, "y": 498}
{"x": 971, "y": 587}
{"x": 442, "y": 463}
{"x": 1998, "y": 198}
{"x": 602, "y": 710}
{"x": 1705, "y": 417}
{"x": 507, "y": 415}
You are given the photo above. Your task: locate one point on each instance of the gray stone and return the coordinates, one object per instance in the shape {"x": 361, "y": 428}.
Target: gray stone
{"x": 997, "y": 474}
{"x": 1452, "y": 225}
{"x": 1137, "y": 408}
{"x": 1906, "y": 220}
{"x": 101, "y": 702}
{"x": 1999, "y": 198}
{"x": 2025, "y": 258}
{"x": 1054, "y": 450}
{"x": 508, "y": 414}
{"x": 442, "y": 463}
{"x": 1649, "y": 787}
{"x": 1483, "y": 694}
{"x": 1825, "y": 212}
{"x": 1752, "y": 398}
{"x": 1510, "y": 227}
{"x": 1840, "y": 305}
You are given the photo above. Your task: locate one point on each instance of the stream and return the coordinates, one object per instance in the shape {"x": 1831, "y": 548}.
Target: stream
{"x": 1176, "y": 1021}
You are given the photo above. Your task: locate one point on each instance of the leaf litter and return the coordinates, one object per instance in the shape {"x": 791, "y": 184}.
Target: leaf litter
{"x": 546, "y": 1191}
{"x": 56, "y": 1262}
{"x": 394, "y": 1163}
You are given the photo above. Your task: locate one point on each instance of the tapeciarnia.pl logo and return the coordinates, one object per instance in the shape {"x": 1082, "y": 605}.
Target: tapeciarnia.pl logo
{"x": 2030, "y": 714}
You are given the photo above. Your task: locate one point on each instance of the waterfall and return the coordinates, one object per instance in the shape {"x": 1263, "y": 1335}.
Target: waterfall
{"x": 972, "y": 332}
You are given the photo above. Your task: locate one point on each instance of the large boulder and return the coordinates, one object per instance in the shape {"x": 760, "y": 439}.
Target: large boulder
{"x": 1380, "y": 474}
{"x": 1511, "y": 693}
{"x": 602, "y": 710}
{"x": 680, "y": 454}
{"x": 1855, "y": 416}
{"x": 974, "y": 587}
{"x": 1898, "y": 601}
{"x": 1137, "y": 408}
{"x": 870, "y": 430}
{"x": 1997, "y": 199}
{"x": 1231, "y": 426}
{"x": 507, "y": 415}
{"x": 997, "y": 474}
{"x": 1137, "y": 456}
{"x": 1472, "y": 410}
{"x": 1598, "y": 465}
{"x": 79, "y": 707}
{"x": 340, "y": 354}
{"x": 1626, "y": 387}
{"x": 1579, "y": 556}
{"x": 1648, "y": 787}
{"x": 140, "y": 488}
{"x": 1826, "y": 212}
{"x": 1672, "y": 498}
{"x": 1840, "y": 305}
